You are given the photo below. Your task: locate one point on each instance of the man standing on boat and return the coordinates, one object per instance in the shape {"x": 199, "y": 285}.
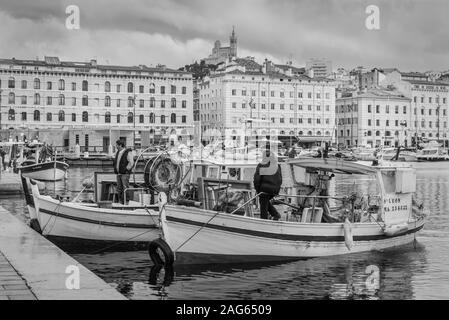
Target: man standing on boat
{"x": 123, "y": 164}
{"x": 268, "y": 181}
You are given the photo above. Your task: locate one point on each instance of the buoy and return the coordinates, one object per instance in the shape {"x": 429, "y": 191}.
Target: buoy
{"x": 396, "y": 229}
{"x": 87, "y": 183}
{"x": 158, "y": 246}
{"x": 348, "y": 234}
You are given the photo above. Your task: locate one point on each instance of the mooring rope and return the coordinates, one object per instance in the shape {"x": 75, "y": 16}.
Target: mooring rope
{"x": 206, "y": 223}
{"x": 56, "y": 216}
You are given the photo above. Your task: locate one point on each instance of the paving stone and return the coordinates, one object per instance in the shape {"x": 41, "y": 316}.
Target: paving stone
{"x": 23, "y": 297}
{"x": 16, "y": 292}
{"x": 11, "y": 282}
{"x": 22, "y": 286}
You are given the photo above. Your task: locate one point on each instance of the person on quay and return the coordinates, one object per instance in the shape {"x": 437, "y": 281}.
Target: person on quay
{"x": 268, "y": 181}
{"x": 123, "y": 164}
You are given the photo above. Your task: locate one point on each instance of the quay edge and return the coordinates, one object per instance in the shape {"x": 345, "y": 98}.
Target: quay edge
{"x": 44, "y": 267}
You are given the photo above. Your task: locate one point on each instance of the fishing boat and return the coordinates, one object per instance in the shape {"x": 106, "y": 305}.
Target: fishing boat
{"x": 42, "y": 168}
{"x": 364, "y": 153}
{"x": 314, "y": 228}
{"x": 433, "y": 152}
{"x": 403, "y": 156}
{"x": 44, "y": 171}
{"x": 90, "y": 224}
{"x": 102, "y": 221}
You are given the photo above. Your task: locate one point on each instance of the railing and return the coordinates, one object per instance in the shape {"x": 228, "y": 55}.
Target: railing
{"x": 351, "y": 199}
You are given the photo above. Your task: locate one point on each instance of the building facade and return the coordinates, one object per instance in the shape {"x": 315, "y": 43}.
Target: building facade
{"x": 322, "y": 68}
{"x": 68, "y": 103}
{"x": 429, "y": 101}
{"x": 430, "y": 111}
{"x": 239, "y": 103}
{"x": 374, "y": 118}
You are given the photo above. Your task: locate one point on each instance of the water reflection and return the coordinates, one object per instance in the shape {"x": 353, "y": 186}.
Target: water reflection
{"x": 344, "y": 277}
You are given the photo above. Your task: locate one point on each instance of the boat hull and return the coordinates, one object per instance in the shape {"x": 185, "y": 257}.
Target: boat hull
{"x": 77, "y": 223}
{"x": 231, "y": 238}
{"x": 433, "y": 158}
{"x": 402, "y": 157}
{"x": 45, "y": 171}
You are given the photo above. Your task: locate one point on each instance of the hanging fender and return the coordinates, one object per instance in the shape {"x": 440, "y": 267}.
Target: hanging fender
{"x": 160, "y": 246}
{"x": 395, "y": 229}
{"x": 349, "y": 241}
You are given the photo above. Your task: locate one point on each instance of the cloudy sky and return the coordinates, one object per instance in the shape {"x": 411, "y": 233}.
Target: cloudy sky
{"x": 413, "y": 34}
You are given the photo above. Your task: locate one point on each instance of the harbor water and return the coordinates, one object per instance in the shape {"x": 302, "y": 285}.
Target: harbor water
{"x": 418, "y": 271}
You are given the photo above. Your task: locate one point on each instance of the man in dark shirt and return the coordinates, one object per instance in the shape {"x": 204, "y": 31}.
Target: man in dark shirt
{"x": 268, "y": 180}
{"x": 123, "y": 164}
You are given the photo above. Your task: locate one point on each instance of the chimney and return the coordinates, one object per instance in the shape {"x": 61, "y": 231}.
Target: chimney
{"x": 264, "y": 66}
{"x": 269, "y": 66}
{"x": 93, "y": 63}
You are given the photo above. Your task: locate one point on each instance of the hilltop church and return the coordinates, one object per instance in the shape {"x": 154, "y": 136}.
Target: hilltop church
{"x": 221, "y": 54}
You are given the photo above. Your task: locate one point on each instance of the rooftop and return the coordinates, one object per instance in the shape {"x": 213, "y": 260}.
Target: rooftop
{"x": 428, "y": 83}
{"x": 52, "y": 62}
{"x": 379, "y": 94}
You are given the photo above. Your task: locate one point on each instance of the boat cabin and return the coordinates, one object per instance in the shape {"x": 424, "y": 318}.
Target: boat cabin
{"x": 311, "y": 198}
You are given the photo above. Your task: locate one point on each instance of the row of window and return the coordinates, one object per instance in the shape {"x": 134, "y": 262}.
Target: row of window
{"x": 85, "y": 101}
{"x": 85, "y": 86}
{"x": 430, "y": 99}
{"x": 349, "y": 108}
{"x": 281, "y": 94}
{"x": 387, "y": 134}
{"x": 354, "y": 108}
{"x": 292, "y": 120}
{"x": 423, "y": 111}
{"x": 387, "y": 109}
{"x": 369, "y": 133}
{"x": 282, "y": 106}
{"x": 397, "y": 123}
{"x": 85, "y": 117}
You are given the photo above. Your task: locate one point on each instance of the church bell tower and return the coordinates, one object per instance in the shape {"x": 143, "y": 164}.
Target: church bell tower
{"x": 233, "y": 43}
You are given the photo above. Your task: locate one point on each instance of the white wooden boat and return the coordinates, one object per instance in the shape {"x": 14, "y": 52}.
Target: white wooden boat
{"x": 404, "y": 155}
{"x": 90, "y": 224}
{"x": 364, "y": 153}
{"x": 433, "y": 154}
{"x": 203, "y": 235}
{"x": 44, "y": 171}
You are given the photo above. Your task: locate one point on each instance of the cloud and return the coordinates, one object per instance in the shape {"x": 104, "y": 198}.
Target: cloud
{"x": 176, "y": 32}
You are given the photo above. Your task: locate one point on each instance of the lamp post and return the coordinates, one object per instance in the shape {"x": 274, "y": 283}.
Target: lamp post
{"x": 403, "y": 124}
{"x": 1, "y": 91}
{"x": 416, "y": 123}
{"x": 134, "y": 120}
{"x": 352, "y": 122}
{"x": 438, "y": 114}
